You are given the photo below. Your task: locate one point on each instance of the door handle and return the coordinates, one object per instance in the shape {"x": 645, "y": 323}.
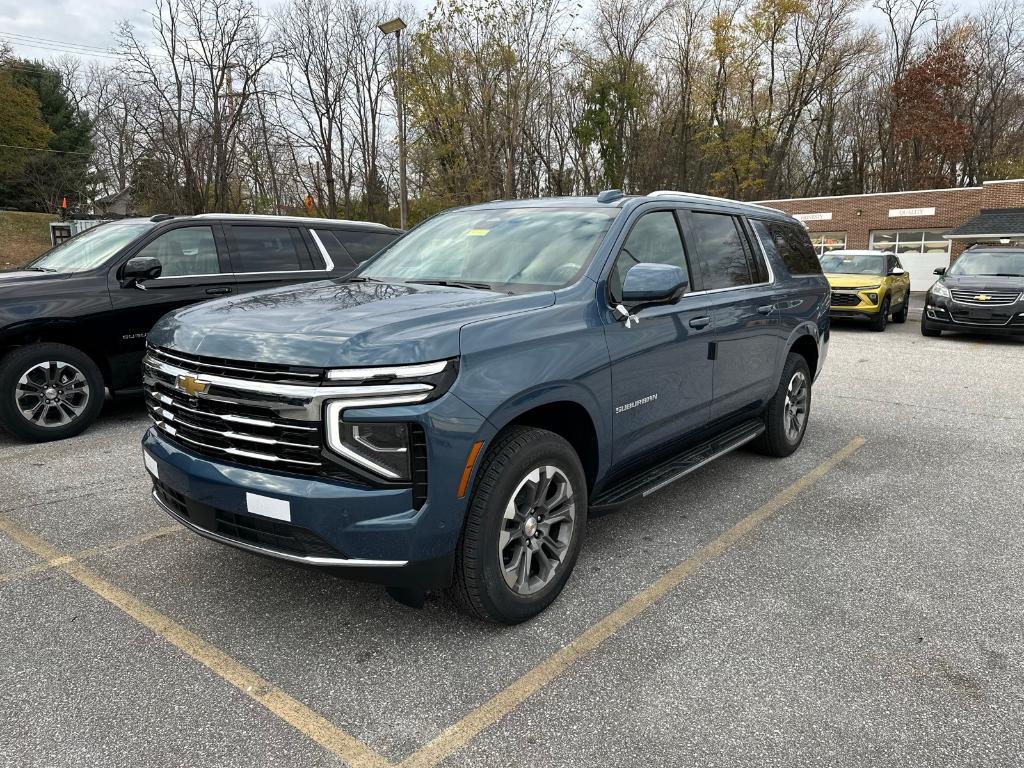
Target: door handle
{"x": 767, "y": 309}
{"x": 700, "y": 322}
{"x": 218, "y": 291}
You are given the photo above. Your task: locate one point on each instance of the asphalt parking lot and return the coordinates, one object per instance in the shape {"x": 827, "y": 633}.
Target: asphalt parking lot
{"x": 861, "y": 603}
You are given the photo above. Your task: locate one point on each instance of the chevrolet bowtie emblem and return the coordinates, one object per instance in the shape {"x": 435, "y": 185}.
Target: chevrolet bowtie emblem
{"x": 192, "y": 385}
{"x": 982, "y": 297}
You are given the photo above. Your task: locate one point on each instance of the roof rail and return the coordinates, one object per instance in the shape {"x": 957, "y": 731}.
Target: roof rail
{"x": 162, "y": 217}
{"x": 609, "y": 195}
{"x": 307, "y": 220}
{"x": 676, "y": 193}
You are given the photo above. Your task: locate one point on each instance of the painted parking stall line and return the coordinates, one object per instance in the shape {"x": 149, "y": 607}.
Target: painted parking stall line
{"x": 312, "y": 724}
{"x": 457, "y": 736}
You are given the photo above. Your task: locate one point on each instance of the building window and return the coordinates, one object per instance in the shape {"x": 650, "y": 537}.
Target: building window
{"x": 911, "y": 241}
{"x": 824, "y": 242}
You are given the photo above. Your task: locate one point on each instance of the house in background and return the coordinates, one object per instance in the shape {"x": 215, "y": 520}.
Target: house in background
{"x": 117, "y": 204}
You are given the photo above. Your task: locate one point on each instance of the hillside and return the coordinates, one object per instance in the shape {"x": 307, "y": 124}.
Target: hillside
{"x": 23, "y": 236}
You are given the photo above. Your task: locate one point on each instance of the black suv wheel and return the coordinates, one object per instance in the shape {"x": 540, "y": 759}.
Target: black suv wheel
{"x": 881, "y": 320}
{"x": 49, "y": 392}
{"x": 524, "y": 527}
{"x": 785, "y": 419}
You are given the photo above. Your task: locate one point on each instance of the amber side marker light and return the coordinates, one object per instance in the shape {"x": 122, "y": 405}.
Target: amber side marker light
{"x": 468, "y": 470}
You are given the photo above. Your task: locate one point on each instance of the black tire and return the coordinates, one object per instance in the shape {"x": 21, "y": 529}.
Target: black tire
{"x": 901, "y": 316}
{"x": 74, "y": 408}
{"x": 480, "y": 587}
{"x": 777, "y": 440}
{"x": 927, "y": 330}
{"x": 881, "y": 320}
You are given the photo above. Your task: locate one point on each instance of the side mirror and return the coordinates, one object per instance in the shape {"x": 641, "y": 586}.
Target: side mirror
{"x": 649, "y": 284}
{"x": 898, "y": 271}
{"x": 141, "y": 268}
{"x": 939, "y": 271}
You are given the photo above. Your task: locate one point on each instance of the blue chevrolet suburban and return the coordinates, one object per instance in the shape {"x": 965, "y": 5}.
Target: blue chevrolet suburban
{"x": 446, "y": 416}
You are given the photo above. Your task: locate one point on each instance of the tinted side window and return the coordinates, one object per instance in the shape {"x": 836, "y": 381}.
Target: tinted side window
{"x": 185, "y": 251}
{"x": 268, "y": 249}
{"x": 720, "y": 250}
{"x": 794, "y": 247}
{"x": 653, "y": 239}
{"x": 341, "y": 258}
{"x": 363, "y": 245}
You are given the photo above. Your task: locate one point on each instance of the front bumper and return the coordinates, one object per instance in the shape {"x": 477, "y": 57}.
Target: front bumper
{"x": 856, "y": 304}
{"x": 948, "y": 315}
{"x": 365, "y": 532}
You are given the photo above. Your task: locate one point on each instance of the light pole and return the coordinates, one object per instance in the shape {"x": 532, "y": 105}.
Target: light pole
{"x": 396, "y": 26}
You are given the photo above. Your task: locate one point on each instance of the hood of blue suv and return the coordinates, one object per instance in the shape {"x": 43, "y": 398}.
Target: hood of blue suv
{"x": 337, "y": 324}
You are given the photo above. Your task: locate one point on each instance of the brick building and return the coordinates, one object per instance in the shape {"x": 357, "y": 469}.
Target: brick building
{"x": 928, "y": 228}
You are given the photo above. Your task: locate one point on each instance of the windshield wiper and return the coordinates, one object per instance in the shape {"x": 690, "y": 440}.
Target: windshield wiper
{"x": 39, "y": 269}
{"x": 1000, "y": 274}
{"x": 455, "y": 284}
{"x": 360, "y": 279}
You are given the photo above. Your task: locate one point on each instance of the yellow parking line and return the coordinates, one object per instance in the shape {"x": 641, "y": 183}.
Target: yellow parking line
{"x": 454, "y": 738}
{"x": 85, "y": 554}
{"x": 303, "y": 719}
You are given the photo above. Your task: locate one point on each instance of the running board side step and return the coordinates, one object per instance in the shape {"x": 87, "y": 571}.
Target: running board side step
{"x": 675, "y": 467}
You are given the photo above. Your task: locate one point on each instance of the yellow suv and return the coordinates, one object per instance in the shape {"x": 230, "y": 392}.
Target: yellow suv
{"x": 867, "y": 285}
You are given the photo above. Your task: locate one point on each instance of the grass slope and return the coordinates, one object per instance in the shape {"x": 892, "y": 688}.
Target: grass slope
{"x": 23, "y": 236}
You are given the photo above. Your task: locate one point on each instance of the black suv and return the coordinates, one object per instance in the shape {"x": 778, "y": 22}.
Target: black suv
{"x": 74, "y": 321}
{"x": 983, "y": 292}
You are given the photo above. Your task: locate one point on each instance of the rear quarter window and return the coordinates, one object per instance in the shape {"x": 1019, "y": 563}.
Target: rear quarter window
{"x": 791, "y": 243}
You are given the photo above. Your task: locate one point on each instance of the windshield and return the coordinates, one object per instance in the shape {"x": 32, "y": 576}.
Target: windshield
{"x": 514, "y": 249}
{"x": 1009, "y": 263}
{"x": 90, "y": 248}
{"x": 869, "y": 264}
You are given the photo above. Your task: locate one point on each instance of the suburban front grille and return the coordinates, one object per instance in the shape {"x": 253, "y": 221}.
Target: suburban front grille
{"x": 280, "y": 424}
{"x": 993, "y": 298}
{"x": 243, "y": 370}
{"x": 247, "y": 529}
{"x": 845, "y": 299}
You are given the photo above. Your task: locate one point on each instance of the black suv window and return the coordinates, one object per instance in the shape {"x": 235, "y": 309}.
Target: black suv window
{"x": 793, "y": 245}
{"x": 653, "y": 239}
{"x": 185, "y": 251}
{"x": 720, "y": 250}
{"x": 268, "y": 249}
{"x": 361, "y": 245}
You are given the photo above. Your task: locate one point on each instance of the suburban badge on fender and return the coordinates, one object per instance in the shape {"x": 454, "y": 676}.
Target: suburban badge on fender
{"x": 192, "y": 386}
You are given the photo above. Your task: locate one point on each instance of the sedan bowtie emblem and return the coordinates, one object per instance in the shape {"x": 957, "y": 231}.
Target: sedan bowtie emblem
{"x": 624, "y": 314}
{"x": 982, "y": 297}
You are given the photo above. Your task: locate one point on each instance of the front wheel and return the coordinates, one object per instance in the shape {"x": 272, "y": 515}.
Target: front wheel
{"x": 785, "y": 419}
{"x": 524, "y": 527}
{"x": 881, "y": 320}
{"x": 49, "y": 392}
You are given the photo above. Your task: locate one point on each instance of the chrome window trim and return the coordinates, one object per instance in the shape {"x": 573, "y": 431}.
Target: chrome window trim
{"x": 291, "y": 390}
{"x": 308, "y": 559}
{"x": 323, "y": 251}
{"x": 413, "y": 371}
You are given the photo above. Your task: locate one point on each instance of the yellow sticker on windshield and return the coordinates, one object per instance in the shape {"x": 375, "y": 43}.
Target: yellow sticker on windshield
{"x": 477, "y": 232}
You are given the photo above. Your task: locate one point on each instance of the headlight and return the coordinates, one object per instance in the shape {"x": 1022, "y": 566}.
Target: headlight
{"x": 939, "y": 290}
{"x": 382, "y": 448}
{"x": 868, "y": 288}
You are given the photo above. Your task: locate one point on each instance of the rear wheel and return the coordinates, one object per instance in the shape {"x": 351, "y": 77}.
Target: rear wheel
{"x": 901, "y": 316}
{"x": 785, "y": 419}
{"x": 49, "y": 392}
{"x": 524, "y": 527}
{"x": 881, "y": 320}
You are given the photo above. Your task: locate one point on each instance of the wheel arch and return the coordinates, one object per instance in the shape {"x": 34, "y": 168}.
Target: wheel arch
{"x": 56, "y": 332}
{"x": 805, "y": 344}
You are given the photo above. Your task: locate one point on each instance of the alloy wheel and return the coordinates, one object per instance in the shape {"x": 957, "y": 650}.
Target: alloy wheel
{"x": 795, "y": 414}
{"x": 537, "y": 529}
{"x": 52, "y": 393}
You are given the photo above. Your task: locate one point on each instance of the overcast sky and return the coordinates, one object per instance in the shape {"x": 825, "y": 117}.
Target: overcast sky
{"x": 92, "y": 23}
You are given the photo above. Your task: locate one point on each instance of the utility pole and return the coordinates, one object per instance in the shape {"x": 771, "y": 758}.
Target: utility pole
{"x": 396, "y": 26}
